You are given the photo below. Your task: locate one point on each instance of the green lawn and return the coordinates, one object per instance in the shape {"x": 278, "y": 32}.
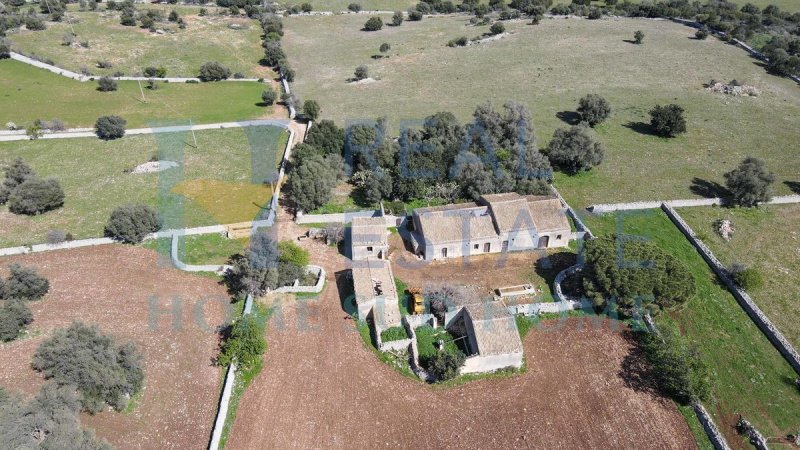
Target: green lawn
{"x": 366, "y": 5}
{"x": 28, "y": 93}
{"x": 201, "y": 249}
{"x": 215, "y": 186}
{"x": 131, "y": 49}
{"x": 549, "y": 67}
{"x": 749, "y": 376}
{"x": 767, "y": 238}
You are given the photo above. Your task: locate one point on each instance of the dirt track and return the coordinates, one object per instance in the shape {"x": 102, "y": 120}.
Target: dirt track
{"x": 110, "y": 286}
{"x": 320, "y": 388}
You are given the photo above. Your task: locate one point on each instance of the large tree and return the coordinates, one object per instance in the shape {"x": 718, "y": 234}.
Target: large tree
{"x": 667, "y": 120}
{"x": 15, "y": 315}
{"x": 575, "y": 149}
{"x": 24, "y": 283}
{"x": 311, "y": 183}
{"x": 36, "y": 196}
{"x": 593, "y": 109}
{"x": 326, "y": 136}
{"x": 750, "y": 183}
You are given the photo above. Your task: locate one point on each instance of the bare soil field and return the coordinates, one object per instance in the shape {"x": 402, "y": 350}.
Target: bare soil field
{"x": 321, "y": 388}
{"x": 128, "y": 294}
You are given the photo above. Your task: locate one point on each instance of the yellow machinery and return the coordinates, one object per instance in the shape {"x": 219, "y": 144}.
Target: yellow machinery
{"x": 417, "y": 301}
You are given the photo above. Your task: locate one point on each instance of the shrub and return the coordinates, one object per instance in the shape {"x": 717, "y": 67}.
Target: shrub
{"x": 103, "y": 64}
{"x": 273, "y": 53}
{"x": 203, "y": 12}
{"x": 397, "y": 18}
{"x": 748, "y": 278}
{"x": 256, "y": 271}
{"x": 173, "y": 16}
{"x": 55, "y": 236}
{"x": 414, "y": 16}
{"x": 575, "y": 149}
{"x": 102, "y": 372}
{"x": 131, "y": 223}
{"x": 385, "y": 47}
{"x": 460, "y": 42}
{"x": 155, "y": 72}
{"x": 16, "y": 174}
{"x": 5, "y": 49}
{"x": 667, "y": 121}
{"x": 306, "y": 7}
{"x": 245, "y": 343}
{"x": 594, "y": 14}
{"x": 311, "y": 110}
{"x": 445, "y": 365}
{"x": 652, "y": 279}
{"x": 110, "y": 127}
{"x": 361, "y": 72}
{"x": 292, "y": 253}
{"x": 676, "y": 364}
{"x": 214, "y": 71}
{"x": 750, "y": 183}
{"x": 594, "y": 109}
{"x": 35, "y": 196}
{"x": 638, "y": 36}
{"x": 25, "y": 283}
{"x": 14, "y": 316}
{"x": 497, "y": 28}
{"x": 269, "y": 96}
{"x": 311, "y": 183}
{"x": 374, "y": 23}
{"x": 394, "y": 334}
{"x": 701, "y": 34}
{"x": 355, "y": 7}
{"x": 106, "y": 84}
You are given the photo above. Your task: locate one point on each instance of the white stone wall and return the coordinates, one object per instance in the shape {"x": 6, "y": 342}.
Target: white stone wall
{"x": 482, "y": 364}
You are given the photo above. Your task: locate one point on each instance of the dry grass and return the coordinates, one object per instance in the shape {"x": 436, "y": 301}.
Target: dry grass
{"x": 549, "y": 67}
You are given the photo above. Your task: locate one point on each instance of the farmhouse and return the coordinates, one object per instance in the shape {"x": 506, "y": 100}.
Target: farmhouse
{"x": 491, "y": 336}
{"x": 373, "y": 281}
{"x": 369, "y": 238}
{"x": 495, "y": 223}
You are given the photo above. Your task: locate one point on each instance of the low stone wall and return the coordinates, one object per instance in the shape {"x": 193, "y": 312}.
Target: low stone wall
{"x": 602, "y": 208}
{"x": 315, "y": 289}
{"x": 400, "y": 345}
{"x": 216, "y": 268}
{"x": 761, "y": 320}
{"x": 582, "y": 228}
{"x": 713, "y": 433}
{"x": 336, "y": 217}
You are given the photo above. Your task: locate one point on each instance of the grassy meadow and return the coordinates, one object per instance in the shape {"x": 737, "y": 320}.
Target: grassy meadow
{"x": 214, "y": 186}
{"x": 749, "y": 376}
{"x": 28, "y": 93}
{"x": 131, "y": 49}
{"x": 767, "y": 238}
{"x": 550, "y": 67}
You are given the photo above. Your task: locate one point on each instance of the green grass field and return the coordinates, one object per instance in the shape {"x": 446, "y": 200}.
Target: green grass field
{"x": 215, "y": 186}
{"x": 749, "y": 376}
{"x": 28, "y": 93}
{"x": 200, "y": 249}
{"x": 366, "y": 5}
{"x": 767, "y": 238}
{"x": 549, "y": 67}
{"x": 131, "y": 49}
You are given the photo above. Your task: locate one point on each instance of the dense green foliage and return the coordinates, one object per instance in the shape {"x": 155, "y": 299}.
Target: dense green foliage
{"x": 433, "y": 358}
{"x": 36, "y": 196}
{"x": 24, "y": 283}
{"x": 103, "y": 373}
{"x": 311, "y": 182}
{"x": 263, "y": 267}
{"x": 106, "y": 84}
{"x": 445, "y": 365}
{"x": 631, "y": 277}
{"x": 748, "y": 278}
{"x": 15, "y": 315}
{"x": 361, "y": 72}
{"x": 675, "y": 362}
{"x": 292, "y": 253}
{"x": 269, "y": 96}
{"x": 394, "y": 334}
{"x": 374, "y": 23}
{"x": 397, "y": 18}
{"x": 245, "y": 343}
{"x": 593, "y": 109}
{"x": 575, "y": 149}
{"x": 667, "y": 121}
{"x": 110, "y": 127}
{"x": 638, "y": 36}
{"x": 48, "y": 421}
{"x": 131, "y": 223}
{"x": 750, "y": 183}
{"x": 311, "y": 110}
{"x": 213, "y": 71}
{"x": 326, "y": 137}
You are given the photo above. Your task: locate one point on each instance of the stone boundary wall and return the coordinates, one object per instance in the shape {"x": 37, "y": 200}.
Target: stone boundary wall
{"x": 346, "y": 217}
{"x": 387, "y": 346}
{"x": 587, "y": 233}
{"x": 216, "y": 268}
{"x": 227, "y": 391}
{"x": 315, "y": 289}
{"x": 602, "y": 208}
{"x": 761, "y": 320}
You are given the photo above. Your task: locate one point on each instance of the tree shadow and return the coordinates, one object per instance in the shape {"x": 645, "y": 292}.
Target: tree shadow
{"x": 630, "y": 41}
{"x": 793, "y": 185}
{"x": 636, "y": 372}
{"x": 549, "y": 266}
{"x": 569, "y": 117}
{"x": 347, "y": 296}
{"x": 641, "y": 128}
{"x": 708, "y": 189}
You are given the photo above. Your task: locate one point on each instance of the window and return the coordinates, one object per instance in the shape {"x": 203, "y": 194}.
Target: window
{"x": 476, "y": 246}
{"x": 558, "y": 238}
{"x": 369, "y": 249}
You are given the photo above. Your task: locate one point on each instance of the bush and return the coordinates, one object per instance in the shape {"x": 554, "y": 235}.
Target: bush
{"x": 414, "y": 16}
{"x": 701, "y": 34}
{"x": 311, "y": 110}
{"x": 106, "y": 84}
{"x": 394, "y": 334}
{"x": 102, "y": 372}
{"x": 213, "y": 71}
{"x": 269, "y": 96}
{"x": 173, "y": 16}
{"x": 355, "y": 7}
{"x": 460, "y": 42}
{"x": 667, "y": 121}
{"x": 36, "y": 196}
{"x": 256, "y": 271}
{"x": 676, "y": 364}
{"x": 445, "y": 365}
{"x": 5, "y": 49}
{"x": 497, "y": 28}
{"x": 750, "y": 183}
{"x": 575, "y": 149}
{"x": 14, "y": 317}
{"x": 638, "y": 36}
{"x": 131, "y": 223}
{"x": 361, "y": 72}
{"x": 110, "y": 127}
{"x": 292, "y": 253}
{"x": 245, "y": 343}
{"x": 55, "y": 236}
{"x": 594, "y": 109}
{"x": 24, "y": 283}
{"x": 748, "y": 278}
{"x": 155, "y": 72}
{"x": 373, "y": 24}
{"x": 385, "y": 47}
{"x": 594, "y": 14}
{"x": 16, "y": 174}
{"x": 306, "y": 7}
{"x": 397, "y": 18}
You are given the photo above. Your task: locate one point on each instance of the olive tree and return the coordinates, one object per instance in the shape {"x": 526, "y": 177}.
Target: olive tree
{"x": 106, "y": 84}
{"x": 24, "y": 283}
{"x": 575, "y": 149}
{"x": 750, "y": 183}
{"x": 311, "y": 183}
{"x": 269, "y": 96}
{"x": 311, "y": 110}
{"x": 638, "y": 36}
{"x": 214, "y": 71}
{"x": 36, "y": 196}
{"x": 593, "y": 109}
{"x": 361, "y": 72}
{"x": 668, "y": 121}
{"x": 397, "y": 18}
{"x": 374, "y": 23}
{"x": 15, "y": 315}
{"x": 131, "y": 223}
{"x": 110, "y": 127}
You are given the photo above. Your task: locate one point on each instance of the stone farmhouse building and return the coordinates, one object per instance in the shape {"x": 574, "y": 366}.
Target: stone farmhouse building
{"x": 490, "y": 333}
{"x": 495, "y": 223}
{"x": 373, "y": 280}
